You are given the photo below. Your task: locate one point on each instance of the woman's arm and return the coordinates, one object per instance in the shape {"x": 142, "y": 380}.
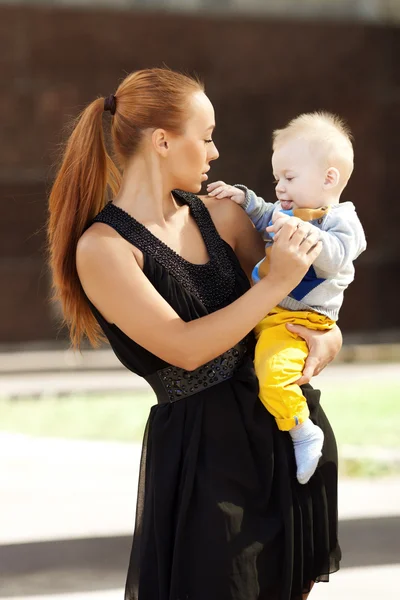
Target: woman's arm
{"x": 113, "y": 280}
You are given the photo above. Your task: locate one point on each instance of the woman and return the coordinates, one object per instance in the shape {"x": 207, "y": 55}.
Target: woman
{"x": 162, "y": 273}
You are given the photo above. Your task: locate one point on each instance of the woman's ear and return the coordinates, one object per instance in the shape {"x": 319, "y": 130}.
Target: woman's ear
{"x": 332, "y": 178}
{"x": 160, "y": 142}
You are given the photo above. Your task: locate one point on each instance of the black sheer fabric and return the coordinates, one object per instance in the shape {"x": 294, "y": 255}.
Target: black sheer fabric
{"x": 220, "y": 514}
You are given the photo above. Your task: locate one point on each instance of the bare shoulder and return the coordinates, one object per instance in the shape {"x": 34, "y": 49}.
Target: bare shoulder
{"x": 224, "y": 209}
{"x": 228, "y": 217}
{"x": 101, "y": 244}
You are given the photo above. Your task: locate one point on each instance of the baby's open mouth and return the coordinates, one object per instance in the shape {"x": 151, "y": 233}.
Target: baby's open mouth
{"x": 287, "y": 204}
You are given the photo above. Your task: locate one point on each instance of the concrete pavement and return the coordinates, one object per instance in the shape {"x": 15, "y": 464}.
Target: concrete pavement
{"x": 67, "y": 516}
{"x": 67, "y": 506}
{"x": 375, "y": 583}
{"x": 82, "y": 489}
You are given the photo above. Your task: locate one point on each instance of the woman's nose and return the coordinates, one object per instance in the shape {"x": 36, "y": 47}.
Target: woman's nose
{"x": 213, "y": 152}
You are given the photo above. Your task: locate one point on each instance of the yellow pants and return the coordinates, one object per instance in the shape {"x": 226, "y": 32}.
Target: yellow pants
{"x": 279, "y": 361}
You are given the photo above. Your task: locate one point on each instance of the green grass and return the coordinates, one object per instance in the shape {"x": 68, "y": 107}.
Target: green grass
{"x": 361, "y": 413}
{"x": 119, "y": 418}
{"x": 364, "y": 413}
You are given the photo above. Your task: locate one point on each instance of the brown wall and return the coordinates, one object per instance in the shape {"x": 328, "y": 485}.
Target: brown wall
{"x": 258, "y": 73}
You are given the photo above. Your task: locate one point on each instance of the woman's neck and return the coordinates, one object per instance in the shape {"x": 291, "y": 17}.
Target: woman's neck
{"x": 145, "y": 191}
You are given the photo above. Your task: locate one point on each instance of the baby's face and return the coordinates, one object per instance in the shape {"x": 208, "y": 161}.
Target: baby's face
{"x": 299, "y": 175}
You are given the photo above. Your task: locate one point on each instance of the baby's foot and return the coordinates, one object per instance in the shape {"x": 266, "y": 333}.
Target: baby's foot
{"x": 308, "y": 440}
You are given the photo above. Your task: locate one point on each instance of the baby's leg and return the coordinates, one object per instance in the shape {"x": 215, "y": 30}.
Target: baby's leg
{"x": 279, "y": 362}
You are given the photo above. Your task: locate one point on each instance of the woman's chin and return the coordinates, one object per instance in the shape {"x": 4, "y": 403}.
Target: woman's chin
{"x": 194, "y": 188}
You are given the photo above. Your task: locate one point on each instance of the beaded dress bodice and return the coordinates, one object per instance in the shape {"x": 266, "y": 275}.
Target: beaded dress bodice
{"x": 192, "y": 290}
{"x": 212, "y": 282}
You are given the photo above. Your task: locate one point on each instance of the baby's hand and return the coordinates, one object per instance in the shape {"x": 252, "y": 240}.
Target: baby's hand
{"x": 220, "y": 189}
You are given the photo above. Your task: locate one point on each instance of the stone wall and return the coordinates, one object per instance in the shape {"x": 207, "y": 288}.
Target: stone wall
{"x": 258, "y": 73}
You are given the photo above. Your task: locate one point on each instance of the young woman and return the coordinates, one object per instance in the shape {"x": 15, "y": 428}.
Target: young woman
{"x": 163, "y": 275}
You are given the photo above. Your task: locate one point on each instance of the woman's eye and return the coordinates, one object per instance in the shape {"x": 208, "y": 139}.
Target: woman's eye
{"x": 208, "y": 141}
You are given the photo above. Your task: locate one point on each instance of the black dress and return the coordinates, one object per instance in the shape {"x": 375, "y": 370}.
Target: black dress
{"x": 220, "y": 514}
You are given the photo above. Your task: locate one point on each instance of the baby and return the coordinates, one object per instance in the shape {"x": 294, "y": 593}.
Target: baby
{"x": 312, "y": 162}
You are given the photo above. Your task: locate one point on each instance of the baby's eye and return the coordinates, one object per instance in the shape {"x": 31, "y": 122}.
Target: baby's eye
{"x": 275, "y": 181}
{"x": 289, "y": 178}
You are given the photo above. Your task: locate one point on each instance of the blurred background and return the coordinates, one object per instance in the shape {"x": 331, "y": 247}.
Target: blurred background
{"x": 71, "y": 423}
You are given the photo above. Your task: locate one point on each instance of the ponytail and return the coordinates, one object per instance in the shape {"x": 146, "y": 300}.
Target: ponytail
{"x": 78, "y": 194}
{"x": 145, "y": 99}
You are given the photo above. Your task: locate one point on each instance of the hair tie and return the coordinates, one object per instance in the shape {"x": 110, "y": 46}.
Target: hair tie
{"x": 110, "y": 104}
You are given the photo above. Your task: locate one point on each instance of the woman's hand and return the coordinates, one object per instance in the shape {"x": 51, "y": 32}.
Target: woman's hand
{"x": 280, "y": 218}
{"x": 323, "y": 347}
{"x": 295, "y": 248}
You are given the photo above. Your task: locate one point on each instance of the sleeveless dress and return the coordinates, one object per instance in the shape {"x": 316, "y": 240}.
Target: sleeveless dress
{"x": 220, "y": 514}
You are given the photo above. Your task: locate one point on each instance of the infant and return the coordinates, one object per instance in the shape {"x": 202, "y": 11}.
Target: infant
{"x": 312, "y": 162}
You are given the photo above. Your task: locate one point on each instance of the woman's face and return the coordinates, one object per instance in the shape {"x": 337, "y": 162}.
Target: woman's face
{"x": 190, "y": 153}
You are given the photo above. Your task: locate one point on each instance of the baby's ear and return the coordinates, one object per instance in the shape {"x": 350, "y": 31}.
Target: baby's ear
{"x": 332, "y": 177}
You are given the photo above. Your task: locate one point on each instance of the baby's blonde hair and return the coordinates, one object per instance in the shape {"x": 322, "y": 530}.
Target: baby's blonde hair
{"x": 327, "y": 133}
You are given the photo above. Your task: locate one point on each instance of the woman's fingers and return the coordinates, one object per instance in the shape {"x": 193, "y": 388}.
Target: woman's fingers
{"x": 315, "y": 251}
{"x": 287, "y": 230}
{"x": 316, "y": 358}
{"x": 309, "y": 241}
{"x": 311, "y": 369}
{"x": 301, "y": 234}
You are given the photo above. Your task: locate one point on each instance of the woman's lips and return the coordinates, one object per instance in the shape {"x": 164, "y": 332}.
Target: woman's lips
{"x": 204, "y": 177}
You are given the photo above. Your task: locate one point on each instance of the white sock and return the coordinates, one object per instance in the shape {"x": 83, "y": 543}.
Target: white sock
{"x": 308, "y": 440}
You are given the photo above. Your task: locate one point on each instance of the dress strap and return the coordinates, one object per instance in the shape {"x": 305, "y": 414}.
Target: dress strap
{"x": 131, "y": 230}
{"x": 215, "y": 244}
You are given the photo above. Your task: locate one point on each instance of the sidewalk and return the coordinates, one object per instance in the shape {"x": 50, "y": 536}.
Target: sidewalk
{"x": 68, "y": 515}
{"x": 68, "y": 507}
{"x": 376, "y": 583}
{"x": 82, "y": 489}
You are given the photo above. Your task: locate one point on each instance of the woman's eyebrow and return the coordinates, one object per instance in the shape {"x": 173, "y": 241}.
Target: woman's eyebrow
{"x": 211, "y": 127}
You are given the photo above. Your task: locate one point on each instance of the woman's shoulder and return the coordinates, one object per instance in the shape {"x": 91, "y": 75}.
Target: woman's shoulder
{"x": 226, "y": 215}
{"x": 235, "y": 227}
{"x": 223, "y": 207}
{"x": 100, "y": 243}
{"x": 96, "y": 237}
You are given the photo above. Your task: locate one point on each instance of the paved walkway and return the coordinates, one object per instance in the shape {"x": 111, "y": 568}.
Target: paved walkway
{"x": 375, "y": 583}
{"x": 40, "y": 383}
{"x": 72, "y": 502}
{"x": 76, "y": 500}
{"x": 85, "y": 489}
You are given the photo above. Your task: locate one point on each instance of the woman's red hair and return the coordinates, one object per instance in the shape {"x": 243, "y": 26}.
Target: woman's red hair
{"x": 88, "y": 176}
